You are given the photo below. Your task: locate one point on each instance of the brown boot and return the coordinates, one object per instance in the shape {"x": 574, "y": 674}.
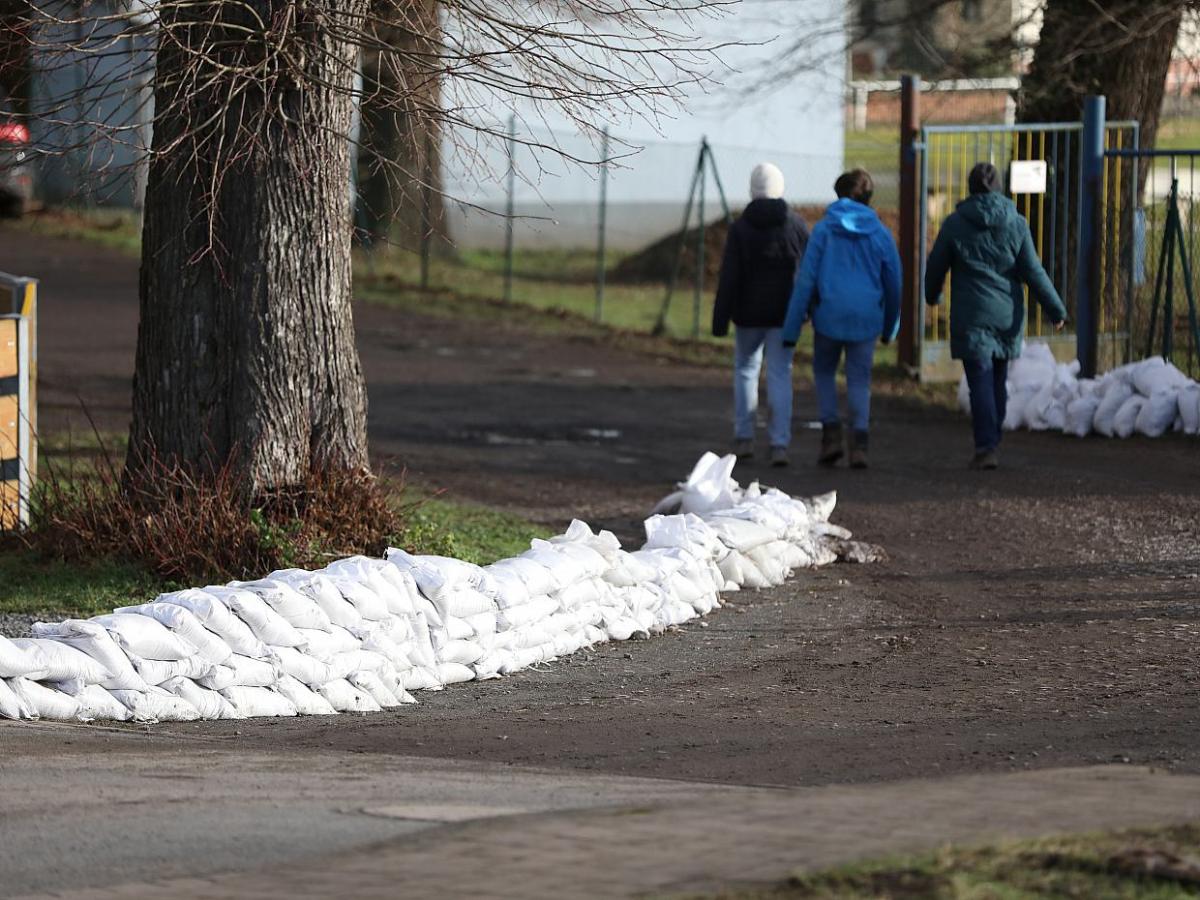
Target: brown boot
{"x": 832, "y": 447}
{"x": 858, "y": 450}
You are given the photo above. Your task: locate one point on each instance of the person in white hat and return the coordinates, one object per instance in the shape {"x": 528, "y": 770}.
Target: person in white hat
{"x": 762, "y": 252}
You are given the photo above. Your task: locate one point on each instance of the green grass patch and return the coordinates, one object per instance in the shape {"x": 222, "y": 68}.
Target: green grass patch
{"x": 468, "y": 532}
{"x": 119, "y": 229}
{"x": 1143, "y": 864}
{"x": 29, "y": 584}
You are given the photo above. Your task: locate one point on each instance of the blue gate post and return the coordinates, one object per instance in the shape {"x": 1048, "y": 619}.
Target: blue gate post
{"x": 1087, "y": 281}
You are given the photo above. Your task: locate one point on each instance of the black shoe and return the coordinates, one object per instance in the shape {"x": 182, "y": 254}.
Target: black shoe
{"x": 779, "y": 457}
{"x": 984, "y": 460}
{"x": 832, "y": 447}
{"x": 743, "y": 448}
{"x": 858, "y": 450}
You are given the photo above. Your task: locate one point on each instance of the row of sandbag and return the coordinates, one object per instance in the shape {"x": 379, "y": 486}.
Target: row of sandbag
{"x": 1150, "y": 397}
{"x": 362, "y": 633}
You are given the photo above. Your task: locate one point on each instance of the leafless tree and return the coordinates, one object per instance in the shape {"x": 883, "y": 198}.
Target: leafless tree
{"x": 246, "y": 342}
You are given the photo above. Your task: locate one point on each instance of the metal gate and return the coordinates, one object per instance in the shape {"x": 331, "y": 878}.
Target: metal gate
{"x": 945, "y": 156}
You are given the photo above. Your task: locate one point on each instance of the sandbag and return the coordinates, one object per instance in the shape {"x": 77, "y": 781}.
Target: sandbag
{"x": 307, "y": 701}
{"x": 1116, "y": 393}
{"x": 327, "y": 644}
{"x": 302, "y": 667}
{"x": 96, "y": 642}
{"x": 1126, "y": 418}
{"x": 1189, "y": 408}
{"x": 45, "y": 702}
{"x": 98, "y": 704}
{"x": 367, "y": 602}
{"x": 11, "y": 704}
{"x": 17, "y": 661}
{"x": 144, "y": 637}
{"x": 1158, "y": 413}
{"x": 156, "y": 671}
{"x": 218, "y": 618}
{"x": 454, "y": 673}
{"x": 345, "y": 697}
{"x": 156, "y": 705}
{"x": 320, "y": 588}
{"x": 208, "y": 703}
{"x": 293, "y": 607}
{"x": 373, "y": 685}
{"x": 188, "y": 626}
{"x": 1081, "y": 412}
{"x": 258, "y": 701}
{"x": 266, "y": 624}
{"x": 1156, "y": 374}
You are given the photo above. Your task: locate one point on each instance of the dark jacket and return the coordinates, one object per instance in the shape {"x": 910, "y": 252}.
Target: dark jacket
{"x": 849, "y": 282}
{"x": 986, "y": 247}
{"x": 762, "y": 251}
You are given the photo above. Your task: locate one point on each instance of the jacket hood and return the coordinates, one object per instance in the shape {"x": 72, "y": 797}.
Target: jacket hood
{"x": 990, "y": 210}
{"x": 765, "y": 212}
{"x": 852, "y": 219}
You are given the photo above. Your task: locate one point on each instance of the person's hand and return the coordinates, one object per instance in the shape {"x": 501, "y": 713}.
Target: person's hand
{"x": 791, "y": 345}
{"x": 1060, "y": 324}
{"x": 885, "y": 341}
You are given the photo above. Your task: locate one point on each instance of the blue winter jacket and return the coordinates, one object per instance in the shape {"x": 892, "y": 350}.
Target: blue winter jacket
{"x": 849, "y": 281}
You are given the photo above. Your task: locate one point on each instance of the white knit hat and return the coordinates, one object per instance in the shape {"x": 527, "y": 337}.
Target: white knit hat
{"x": 766, "y": 181}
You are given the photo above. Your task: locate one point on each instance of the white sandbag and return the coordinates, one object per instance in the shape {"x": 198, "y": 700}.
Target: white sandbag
{"x": 591, "y": 560}
{"x": 321, "y": 589}
{"x": 740, "y": 534}
{"x": 302, "y": 667}
{"x": 142, "y": 636}
{"x": 343, "y": 664}
{"x": 454, "y": 673}
{"x": 533, "y": 611}
{"x": 1116, "y": 392}
{"x": 1158, "y": 412}
{"x": 345, "y": 697}
{"x": 710, "y": 485}
{"x": 326, "y": 644}
{"x": 19, "y": 662}
{"x": 156, "y": 705}
{"x": 11, "y": 705}
{"x": 1015, "y": 414}
{"x": 367, "y": 602}
{"x": 307, "y": 701}
{"x": 45, "y": 702}
{"x": 156, "y": 671}
{"x": 964, "y": 394}
{"x": 241, "y": 671}
{"x": 420, "y": 678}
{"x": 538, "y": 580}
{"x": 266, "y": 624}
{"x": 465, "y": 652}
{"x": 434, "y": 574}
{"x": 96, "y": 642}
{"x": 562, "y": 568}
{"x": 98, "y": 704}
{"x": 1189, "y": 408}
{"x": 462, "y": 602}
{"x": 219, "y": 619}
{"x": 208, "y": 703}
{"x": 1081, "y": 412}
{"x": 397, "y": 654}
{"x": 187, "y": 625}
{"x": 1126, "y": 418}
{"x": 1156, "y": 374}
{"x": 373, "y": 685}
{"x": 252, "y": 702}
{"x": 293, "y": 607}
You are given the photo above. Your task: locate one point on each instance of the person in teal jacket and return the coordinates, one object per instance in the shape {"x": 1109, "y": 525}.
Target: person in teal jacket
{"x": 986, "y": 247}
{"x": 849, "y": 285}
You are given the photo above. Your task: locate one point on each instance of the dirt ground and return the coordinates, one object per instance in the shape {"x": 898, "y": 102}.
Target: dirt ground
{"x": 1044, "y": 614}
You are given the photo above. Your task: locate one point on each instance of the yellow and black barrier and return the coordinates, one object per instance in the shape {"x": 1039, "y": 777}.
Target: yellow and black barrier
{"x": 18, "y": 399}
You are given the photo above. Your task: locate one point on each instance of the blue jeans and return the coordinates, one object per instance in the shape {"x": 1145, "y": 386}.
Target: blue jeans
{"x": 748, "y": 346}
{"x": 860, "y": 355}
{"x": 989, "y": 400}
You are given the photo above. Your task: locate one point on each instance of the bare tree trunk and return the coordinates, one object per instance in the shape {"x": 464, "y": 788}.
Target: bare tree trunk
{"x": 246, "y": 344}
{"x": 400, "y": 184}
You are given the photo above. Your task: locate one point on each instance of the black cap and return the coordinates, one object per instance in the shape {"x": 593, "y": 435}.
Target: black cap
{"x": 984, "y": 179}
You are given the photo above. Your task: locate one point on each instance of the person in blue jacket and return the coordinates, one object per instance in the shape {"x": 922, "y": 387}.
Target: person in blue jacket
{"x": 849, "y": 285}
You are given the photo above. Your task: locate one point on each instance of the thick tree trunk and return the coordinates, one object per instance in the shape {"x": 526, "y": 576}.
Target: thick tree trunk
{"x": 400, "y": 172}
{"x": 246, "y": 352}
{"x": 1118, "y": 48}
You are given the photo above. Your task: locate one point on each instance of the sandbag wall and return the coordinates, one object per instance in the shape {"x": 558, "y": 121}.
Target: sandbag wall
{"x": 361, "y": 634}
{"x": 1149, "y": 397}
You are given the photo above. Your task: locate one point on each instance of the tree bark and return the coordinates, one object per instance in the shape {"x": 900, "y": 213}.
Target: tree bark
{"x": 400, "y": 172}
{"x": 246, "y": 354}
{"x": 1118, "y": 48}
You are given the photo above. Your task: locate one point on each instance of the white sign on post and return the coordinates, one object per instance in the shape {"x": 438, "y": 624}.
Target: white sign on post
{"x": 1027, "y": 176}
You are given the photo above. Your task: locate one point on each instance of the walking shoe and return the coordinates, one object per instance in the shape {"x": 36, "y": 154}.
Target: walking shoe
{"x": 743, "y": 448}
{"x": 858, "y": 450}
{"x": 985, "y": 459}
{"x": 831, "y": 444}
{"x": 779, "y": 457}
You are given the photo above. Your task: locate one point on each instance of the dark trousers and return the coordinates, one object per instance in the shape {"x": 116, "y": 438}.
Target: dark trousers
{"x": 989, "y": 400}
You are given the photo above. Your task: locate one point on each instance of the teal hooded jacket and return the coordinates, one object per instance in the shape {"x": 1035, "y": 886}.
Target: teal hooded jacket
{"x": 986, "y": 247}
{"x": 849, "y": 280}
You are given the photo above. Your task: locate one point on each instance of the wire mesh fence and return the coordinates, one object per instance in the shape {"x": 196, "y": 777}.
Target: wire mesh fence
{"x": 596, "y": 225}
